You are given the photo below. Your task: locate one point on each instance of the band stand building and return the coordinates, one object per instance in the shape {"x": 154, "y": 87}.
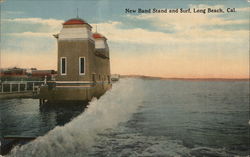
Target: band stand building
{"x": 83, "y": 65}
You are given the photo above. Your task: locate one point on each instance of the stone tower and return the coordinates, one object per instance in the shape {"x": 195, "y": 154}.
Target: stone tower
{"x": 83, "y": 65}
{"x": 76, "y": 48}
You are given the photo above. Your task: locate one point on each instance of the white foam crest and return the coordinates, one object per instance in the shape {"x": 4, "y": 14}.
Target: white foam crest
{"x": 114, "y": 107}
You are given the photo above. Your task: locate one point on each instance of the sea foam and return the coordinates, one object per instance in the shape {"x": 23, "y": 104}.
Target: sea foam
{"x": 115, "y": 106}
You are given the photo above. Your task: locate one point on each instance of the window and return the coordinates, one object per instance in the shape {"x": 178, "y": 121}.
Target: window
{"x": 93, "y": 77}
{"x": 81, "y": 65}
{"x": 63, "y": 66}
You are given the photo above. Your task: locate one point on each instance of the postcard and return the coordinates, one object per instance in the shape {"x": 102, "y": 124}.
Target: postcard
{"x": 124, "y": 78}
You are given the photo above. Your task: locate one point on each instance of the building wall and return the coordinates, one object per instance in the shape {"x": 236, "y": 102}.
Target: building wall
{"x": 102, "y": 68}
{"x": 99, "y": 43}
{"x": 76, "y": 41}
{"x": 76, "y": 32}
{"x": 72, "y": 50}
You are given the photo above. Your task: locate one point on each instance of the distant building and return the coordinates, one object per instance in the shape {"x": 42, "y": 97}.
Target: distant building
{"x": 83, "y": 64}
{"x": 13, "y": 74}
{"x": 43, "y": 73}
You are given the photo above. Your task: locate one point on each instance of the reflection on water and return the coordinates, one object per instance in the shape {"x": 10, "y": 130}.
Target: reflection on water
{"x": 59, "y": 115}
{"x": 24, "y": 117}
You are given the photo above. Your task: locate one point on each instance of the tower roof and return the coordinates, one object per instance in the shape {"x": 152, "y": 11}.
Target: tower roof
{"x": 98, "y": 35}
{"x": 75, "y": 21}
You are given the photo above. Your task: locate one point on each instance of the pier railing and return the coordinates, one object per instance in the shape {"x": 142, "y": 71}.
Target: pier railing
{"x": 19, "y": 86}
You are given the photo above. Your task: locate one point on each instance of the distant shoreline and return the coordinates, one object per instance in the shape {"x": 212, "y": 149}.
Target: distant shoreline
{"x": 188, "y": 79}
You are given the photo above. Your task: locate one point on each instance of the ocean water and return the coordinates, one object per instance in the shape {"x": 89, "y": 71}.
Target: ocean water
{"x": 138, "y": 117}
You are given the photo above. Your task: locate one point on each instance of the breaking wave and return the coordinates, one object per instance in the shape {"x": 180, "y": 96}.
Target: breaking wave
{"x": 73, "y": 139}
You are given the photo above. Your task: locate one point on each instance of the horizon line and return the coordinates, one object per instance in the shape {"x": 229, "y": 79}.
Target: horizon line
{"x": 187, "y": 78}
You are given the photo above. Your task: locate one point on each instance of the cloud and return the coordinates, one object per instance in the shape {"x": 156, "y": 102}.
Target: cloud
{"x": 243, "y": 9}
{"x": 191, "y": 50}
{"x": 183, "y": 22}
{"x": 38, "y": 24}
{"x": 31, "y": 34}
{"x": 184, "y": 25}
{"x": 51, "y": 22}
{"x": 188, "y": 28}
{"x": 184, "y": 35}
{"x": 30, "y": 49}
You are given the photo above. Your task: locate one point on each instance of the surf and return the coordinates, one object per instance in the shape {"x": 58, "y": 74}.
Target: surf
{"x": 73, "y": 139}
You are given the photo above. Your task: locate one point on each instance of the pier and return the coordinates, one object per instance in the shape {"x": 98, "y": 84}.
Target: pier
{"x": 19, "y": 89}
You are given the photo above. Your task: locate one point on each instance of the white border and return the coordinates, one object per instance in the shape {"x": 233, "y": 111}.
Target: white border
{"x": 65, "y": 66}
{"x": 79, "y": 66}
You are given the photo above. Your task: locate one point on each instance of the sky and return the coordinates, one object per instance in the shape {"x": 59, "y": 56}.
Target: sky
{"x": 180, "y": 45}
